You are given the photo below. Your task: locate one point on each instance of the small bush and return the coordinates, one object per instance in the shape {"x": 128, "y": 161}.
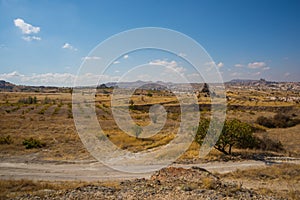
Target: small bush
{"x": 70, "y": 114}
{"x": 33, "y": 143}
{"x": 6, "y": 140}
{"x": 42, "y": 111}
{"x": 28, "y": 100}
{"x": 266, "y": 122}
{"x": 47, "y": 100}
{"x": 149, "y": 94}
{"x": 267, "y": 144}
{"x": 278, "y": 121}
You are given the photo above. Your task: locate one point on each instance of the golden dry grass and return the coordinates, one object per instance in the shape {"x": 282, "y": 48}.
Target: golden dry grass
{"x": 15, "y": 188}
{"x": 281, "y": 180}
{"x": 52, "y": 124}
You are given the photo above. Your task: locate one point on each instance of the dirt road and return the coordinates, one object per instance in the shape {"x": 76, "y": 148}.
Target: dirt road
{"x": 92, "y": 171}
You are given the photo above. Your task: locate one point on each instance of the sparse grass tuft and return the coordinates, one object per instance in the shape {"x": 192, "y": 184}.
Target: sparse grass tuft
{"x": 33, "y": 143}
{"x": 6, "y": 140}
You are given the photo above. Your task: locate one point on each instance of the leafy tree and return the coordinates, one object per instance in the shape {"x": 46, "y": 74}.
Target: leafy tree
{"x": 234, "y": 133}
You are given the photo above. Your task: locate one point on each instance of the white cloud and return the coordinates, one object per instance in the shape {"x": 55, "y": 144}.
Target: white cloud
{"x": 257, "y": 65}
{"x": 25, "y": 27}
{"x": 172, "y": 65}
{"x": 193, "y": 75}
{"x": 235, "y": 74}
{"x": 220, "y": 64}
{"x": 287, "y": 74}
{"x": 239, "y": 65}
{"x": 55, "y": 79}
{"x": 182, "y": 54}
{"x": 125, "y": 56}
{"x": 266, "y": 68}
{"x": 116, "y": 62}
{"x": 210, "y": 65}
{"x": 257, "y": 73}
{"x": 91, "y": 58}
{"x": 13, "y": 74}
{"x": 30, "y": 38}
{"x": 68, "y": 46}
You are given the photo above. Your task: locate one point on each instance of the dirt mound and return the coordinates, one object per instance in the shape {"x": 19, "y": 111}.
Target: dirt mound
{"x": 194, "y": 174}
{"x": 167, "y": 183}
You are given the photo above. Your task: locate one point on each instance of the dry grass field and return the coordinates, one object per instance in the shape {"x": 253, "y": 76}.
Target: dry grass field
{"x": 48, "y": 123}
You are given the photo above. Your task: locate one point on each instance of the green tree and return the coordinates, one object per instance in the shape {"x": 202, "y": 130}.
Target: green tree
{"x": 234, "y": 133}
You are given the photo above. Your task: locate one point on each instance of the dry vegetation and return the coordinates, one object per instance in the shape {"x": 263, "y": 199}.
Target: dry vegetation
{"x": 281, "y": 180}
{"x": 49, "y": 122}
{"x": 275, "y": 182}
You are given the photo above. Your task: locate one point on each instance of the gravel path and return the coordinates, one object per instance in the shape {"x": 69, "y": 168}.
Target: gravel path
{"x": 93, "y": 171}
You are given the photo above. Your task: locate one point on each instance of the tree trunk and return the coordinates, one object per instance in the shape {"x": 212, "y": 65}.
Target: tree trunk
{"x": 230, "y": 146}
{"x": 222, "y": 150}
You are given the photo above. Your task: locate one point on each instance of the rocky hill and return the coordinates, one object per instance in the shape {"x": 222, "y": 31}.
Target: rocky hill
{"x": 10, "y": 87}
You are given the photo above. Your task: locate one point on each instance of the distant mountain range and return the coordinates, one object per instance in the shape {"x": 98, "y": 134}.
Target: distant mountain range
{"x": 147, "y": 85}
{"x": 248, "y": 81}
{"x": 10, "y": 87}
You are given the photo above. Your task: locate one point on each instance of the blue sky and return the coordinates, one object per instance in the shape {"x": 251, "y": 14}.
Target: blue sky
{"x": 44, "y": 42}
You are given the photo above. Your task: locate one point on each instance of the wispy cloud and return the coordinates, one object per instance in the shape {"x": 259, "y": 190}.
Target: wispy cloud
{"x": 257, "y": 73}
{"x": 69, "y": 46}
{"x": 182, "y": 54}
{"x": 55, "y": 79}
{"x": 220, "y": 64}
{"x": 257, "y": 65}
{"x": 172, "y": 65}
{"x": 116, "y": 62}
{"x": 13, "y": 74}
{"x": 239, "y": 65}
{"x": 31, "y": 38}
{"x": 91, "y": 58}
{"x": 235, "y": 74}
{"x": 26, "y": 28}
{"x": 210, "y": 65}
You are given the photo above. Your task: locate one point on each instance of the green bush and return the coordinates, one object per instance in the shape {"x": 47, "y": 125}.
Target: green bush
{"x": 28, "y": 100}
{"x": 47, "y": 100}
{"x": 266, "y": 122}
{"x": 149, "y": 94}
{"x": 33, "y": 143}
{"x": 6, "y": 140}
{"x": 278, "y": 121}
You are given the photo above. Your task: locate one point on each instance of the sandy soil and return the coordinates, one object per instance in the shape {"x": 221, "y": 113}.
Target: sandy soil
{"x": 91, "y": 170}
